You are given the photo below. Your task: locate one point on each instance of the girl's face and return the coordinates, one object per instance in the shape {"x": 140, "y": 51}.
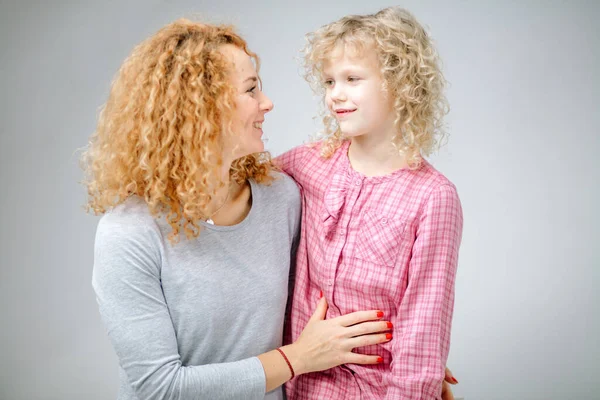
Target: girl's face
{"x": 251, "y": 105}
{"x": 354, "y": 93}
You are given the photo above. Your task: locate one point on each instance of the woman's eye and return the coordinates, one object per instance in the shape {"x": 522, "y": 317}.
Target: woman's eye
{"x": 252, "y": 90}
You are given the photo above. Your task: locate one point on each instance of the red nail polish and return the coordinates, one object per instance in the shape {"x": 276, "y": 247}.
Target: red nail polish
{"x": 388, "y": 336}
{"x": 379, "y": 314}
{"x": 390, "y": 325}
{"x": 454, "y": 380}
{"x": 321, "y": 294}
{"x": 380, "y": 360}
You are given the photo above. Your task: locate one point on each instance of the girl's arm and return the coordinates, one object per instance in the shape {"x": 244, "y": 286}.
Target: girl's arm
{"x": 420, "y": 350}
{"x": 292, "y": 160}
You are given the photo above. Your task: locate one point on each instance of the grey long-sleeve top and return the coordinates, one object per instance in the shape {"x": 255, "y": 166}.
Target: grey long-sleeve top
{"x": 187, "y": 320}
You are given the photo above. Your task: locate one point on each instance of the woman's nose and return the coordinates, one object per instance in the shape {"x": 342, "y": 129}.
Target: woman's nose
{"x": 266, "y": 103}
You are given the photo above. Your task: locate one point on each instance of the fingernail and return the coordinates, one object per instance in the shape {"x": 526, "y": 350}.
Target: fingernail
{"x": 379, "y": 314}
{"x": 321, "y": 294}
{"x": 388, "y": 336}
{"x": 454, "y": 380}
{"x": 390, "y": 325}
{"x": 380, "y": 360}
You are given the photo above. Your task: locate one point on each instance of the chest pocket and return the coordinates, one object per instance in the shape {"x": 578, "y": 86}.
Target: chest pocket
{"x": 379, "y": 239}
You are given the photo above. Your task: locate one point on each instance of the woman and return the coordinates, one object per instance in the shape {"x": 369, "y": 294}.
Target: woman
{"x": 193, "y": 252}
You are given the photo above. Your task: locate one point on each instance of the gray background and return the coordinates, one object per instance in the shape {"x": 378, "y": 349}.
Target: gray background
{"x": 523, "y": 153}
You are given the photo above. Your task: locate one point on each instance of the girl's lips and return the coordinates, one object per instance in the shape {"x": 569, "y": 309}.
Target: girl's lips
{"x": 343, "y": 113}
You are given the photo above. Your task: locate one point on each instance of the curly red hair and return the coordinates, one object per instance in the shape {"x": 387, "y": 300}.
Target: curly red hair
{"x": 159, "y": 135}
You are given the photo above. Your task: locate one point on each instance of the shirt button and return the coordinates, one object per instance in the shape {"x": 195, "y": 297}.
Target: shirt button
{"x": 342, "y": 232}
{"x": 384, "y": 221}
{"x": 357, "y": 182}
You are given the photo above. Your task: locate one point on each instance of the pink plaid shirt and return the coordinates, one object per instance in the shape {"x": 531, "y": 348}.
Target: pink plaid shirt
{"x": 387, "y": 243}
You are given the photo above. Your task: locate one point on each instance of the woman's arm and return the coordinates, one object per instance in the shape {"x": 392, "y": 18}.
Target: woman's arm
{"x": 325, "y": 344}
{"x": 126, "y": 279}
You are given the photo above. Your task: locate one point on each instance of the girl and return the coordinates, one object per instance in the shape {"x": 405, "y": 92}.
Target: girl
{"x": 381, "y": 228}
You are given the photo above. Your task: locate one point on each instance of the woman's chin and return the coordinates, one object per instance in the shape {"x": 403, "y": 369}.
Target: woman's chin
{"x": 259, "y": 148}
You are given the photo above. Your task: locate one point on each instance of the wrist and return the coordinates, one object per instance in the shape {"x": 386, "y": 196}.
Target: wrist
{"x": 295, "y": 358}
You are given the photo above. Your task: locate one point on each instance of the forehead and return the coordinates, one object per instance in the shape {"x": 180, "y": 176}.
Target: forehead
{"x": 346, "y": 56}
{"x": 242, "y": 64}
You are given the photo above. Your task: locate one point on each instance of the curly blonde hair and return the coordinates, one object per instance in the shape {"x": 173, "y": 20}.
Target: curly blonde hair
{"x": 160, "y": 134}
{"x": 410, "y": 68}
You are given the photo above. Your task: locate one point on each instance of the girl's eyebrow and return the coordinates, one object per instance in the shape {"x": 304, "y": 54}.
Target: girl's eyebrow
{"x": 348, "y": 70}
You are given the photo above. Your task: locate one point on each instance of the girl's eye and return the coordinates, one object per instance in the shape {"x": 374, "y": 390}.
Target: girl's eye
{"x": 352, "y": 79}
{"x": 328, "y": 82}
{"x": 252, "y": 90}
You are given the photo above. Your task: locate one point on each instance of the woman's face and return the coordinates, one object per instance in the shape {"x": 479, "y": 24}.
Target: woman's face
{"x": 251, "y": 105}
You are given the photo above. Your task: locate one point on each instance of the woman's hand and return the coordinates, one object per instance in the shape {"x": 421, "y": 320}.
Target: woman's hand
{"x": 325, "y": 344}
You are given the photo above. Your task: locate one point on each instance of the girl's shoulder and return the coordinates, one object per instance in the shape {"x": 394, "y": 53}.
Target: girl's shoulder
{"x": 429, "y": 181}
{"x": 432, "y": 175}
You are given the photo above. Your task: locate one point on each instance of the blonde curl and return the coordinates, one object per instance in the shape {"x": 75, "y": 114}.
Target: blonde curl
{"x": 411, "y": 70}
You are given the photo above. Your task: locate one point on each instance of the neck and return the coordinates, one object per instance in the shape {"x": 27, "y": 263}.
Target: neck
{"x": 232, "y": 202}
{"x": 224, "y": 194}
{"x": 372, "y": 156}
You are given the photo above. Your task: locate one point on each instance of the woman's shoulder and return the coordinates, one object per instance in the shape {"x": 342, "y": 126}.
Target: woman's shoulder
{"x": 282, "y": 185}
{"x": 127, "y": 242}
{"x": 129, "y": 220}
{"x": 132, "y": 209}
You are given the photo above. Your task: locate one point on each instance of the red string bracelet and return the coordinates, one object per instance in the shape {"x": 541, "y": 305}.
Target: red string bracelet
{"x": 287, "y": 361}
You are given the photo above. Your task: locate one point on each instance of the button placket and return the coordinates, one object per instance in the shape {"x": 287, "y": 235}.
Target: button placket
{"x": 339, "y": 247}
{"x": 352, "y": 195}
